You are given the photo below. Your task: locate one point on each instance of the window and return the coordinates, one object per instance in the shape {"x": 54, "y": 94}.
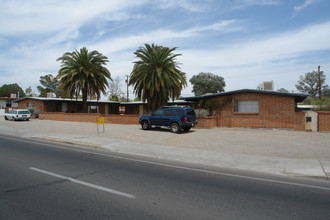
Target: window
{"x": 169, "y": 112}
{"x": 246, "y": 106}
{"x": 158, "y": 112}
{"x": 8, "y": 103}
{"x": 30, "y": 105}
{"x": 179, "y": 112}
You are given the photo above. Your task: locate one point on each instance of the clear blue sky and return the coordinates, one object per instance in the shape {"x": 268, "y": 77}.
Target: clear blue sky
{"x": 244, "y": 41}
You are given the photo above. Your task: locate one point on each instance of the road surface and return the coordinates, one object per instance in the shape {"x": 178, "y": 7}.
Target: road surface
{"x": 43, "y": 180}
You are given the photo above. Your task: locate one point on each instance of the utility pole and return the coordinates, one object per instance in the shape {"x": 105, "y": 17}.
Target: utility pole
{"x": 127, "y": 86}
{"x": 320, "y": 95}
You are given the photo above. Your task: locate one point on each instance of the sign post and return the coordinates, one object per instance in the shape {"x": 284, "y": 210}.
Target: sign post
{"x": 100, "y": 121}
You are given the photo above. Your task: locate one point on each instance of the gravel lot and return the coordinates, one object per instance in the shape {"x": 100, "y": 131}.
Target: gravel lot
{"x": 255, "y": 141}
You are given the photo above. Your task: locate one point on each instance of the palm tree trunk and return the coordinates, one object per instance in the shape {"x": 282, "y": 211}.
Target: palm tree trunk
{"x": 84, "y": 104}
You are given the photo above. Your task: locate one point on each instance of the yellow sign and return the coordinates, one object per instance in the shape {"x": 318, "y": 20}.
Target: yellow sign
{"x": 100, "y": 120}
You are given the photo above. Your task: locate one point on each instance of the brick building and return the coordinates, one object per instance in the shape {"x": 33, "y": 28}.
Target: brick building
{"x": 42, "y": 104}
{"x": 256, "y": 108}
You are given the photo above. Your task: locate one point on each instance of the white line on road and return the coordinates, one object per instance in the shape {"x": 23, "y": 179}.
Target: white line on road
{"x": 84, "y": 183}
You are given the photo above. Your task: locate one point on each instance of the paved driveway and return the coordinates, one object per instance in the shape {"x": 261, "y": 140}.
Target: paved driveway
{"x": 262, "y": 142}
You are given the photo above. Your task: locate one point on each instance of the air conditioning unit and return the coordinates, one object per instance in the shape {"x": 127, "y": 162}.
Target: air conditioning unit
{"x": 51, "y": 95}
{"x": 266, "y": 85}
{"x": 269, "y": 86}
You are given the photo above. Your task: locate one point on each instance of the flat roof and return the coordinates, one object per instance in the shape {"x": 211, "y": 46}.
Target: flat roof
{"x": 65, "y": 99}
{"x": 299, "y": 97}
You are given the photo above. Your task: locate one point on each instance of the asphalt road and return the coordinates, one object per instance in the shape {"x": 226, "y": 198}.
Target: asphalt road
{"x": 42, "y": 180}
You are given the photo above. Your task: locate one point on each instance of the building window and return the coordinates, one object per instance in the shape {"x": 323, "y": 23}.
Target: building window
{"x": 30, "y": 105}
{"x": 8, "y": 103}
{"x": 246, "y": 106}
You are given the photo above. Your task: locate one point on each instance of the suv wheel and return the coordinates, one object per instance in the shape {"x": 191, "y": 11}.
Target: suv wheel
{"x": 145, "y": 125}
{"x": 6, "y": 118}
{"x": 175, "y": 128}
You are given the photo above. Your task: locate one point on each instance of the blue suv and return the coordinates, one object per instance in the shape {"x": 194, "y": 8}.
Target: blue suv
{"x": 177, "y": 118}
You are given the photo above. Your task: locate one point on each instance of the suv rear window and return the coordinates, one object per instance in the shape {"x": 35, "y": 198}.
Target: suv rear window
{"x": 191, "y": 112}
{"x": 179, "y": 112}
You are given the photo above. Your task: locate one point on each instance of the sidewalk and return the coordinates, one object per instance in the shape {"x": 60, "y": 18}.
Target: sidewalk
{"x": 316, "y": 165}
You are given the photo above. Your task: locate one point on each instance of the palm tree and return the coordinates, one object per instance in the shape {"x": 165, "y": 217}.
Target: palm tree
{"x": 156, "y": 76}
{"x": 83, "y": 71}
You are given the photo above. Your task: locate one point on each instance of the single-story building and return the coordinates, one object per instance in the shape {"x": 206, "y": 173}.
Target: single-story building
{"x": 256, "y": 108}
{"x": 7, "y": 103}
{"x": 43, "y": 104}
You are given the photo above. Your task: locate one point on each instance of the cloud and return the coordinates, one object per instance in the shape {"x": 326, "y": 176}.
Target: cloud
{"x": 39, "y": 17}
{"x": 303, "y": 6}
{"x": 271, "y": 48}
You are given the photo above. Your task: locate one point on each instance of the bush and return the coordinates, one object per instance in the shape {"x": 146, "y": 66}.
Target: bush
{"x": 202, "y": 112}
{"x": 322, "y": 105}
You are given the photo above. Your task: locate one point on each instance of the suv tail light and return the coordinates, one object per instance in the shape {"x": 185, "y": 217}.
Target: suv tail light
{"x": 185, "y": 119}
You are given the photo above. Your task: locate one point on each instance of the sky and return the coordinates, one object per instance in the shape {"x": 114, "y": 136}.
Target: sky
{"x": 246, "y": 42}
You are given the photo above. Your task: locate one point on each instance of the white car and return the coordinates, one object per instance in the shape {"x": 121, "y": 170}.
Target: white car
{"x": 18, "y": 114}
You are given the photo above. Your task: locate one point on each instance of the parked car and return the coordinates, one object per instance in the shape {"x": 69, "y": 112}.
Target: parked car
{"x": 177, "y": 118}
{"x": 18, "y": 114}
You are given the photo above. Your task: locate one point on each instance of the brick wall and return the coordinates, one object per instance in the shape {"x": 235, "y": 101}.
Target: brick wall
{"x": 300, "y": 119}
{"x": 275, "y": 111}
{"x": 92, "y": 117}
{"x": 207, "y": 122}
{"x": 324, "y": 121}
{"x": 38, "y": 105}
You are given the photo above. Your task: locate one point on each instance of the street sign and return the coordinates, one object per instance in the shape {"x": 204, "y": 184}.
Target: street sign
{"x": 100, "y": 121}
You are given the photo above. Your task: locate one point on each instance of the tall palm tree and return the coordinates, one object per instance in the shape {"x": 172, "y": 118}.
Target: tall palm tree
{"x": 156, "y": 76}
{"x": 83, "y": 72}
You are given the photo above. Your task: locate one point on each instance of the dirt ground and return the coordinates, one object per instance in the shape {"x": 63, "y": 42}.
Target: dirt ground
{"x": 254, "y": 141}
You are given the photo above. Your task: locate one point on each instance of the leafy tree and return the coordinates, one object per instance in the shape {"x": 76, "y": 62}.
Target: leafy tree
{"x": 113, "y": 98}
{"x": 310, "y": 83}
{"x": 156, "y": 76}
{"x": 283, "y": 90}
{"x": 83, "y": 72}
{"x": 8, "y": 89}
{"x": 49, "y": 84}
{"x": 207, "y": 83}
{"x": 29, "y": 92}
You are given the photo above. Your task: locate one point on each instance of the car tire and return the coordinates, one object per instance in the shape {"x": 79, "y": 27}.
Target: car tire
{"x": 27, "y": 119}
{"x": 13, "y": 118}
{"x": 175, "y": 128}
{"x": 186, "y": 128}
{"x": 145, "y": 125}
{"x": 6, "y": 118}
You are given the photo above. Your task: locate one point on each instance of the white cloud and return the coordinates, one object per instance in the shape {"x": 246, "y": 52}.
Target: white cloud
{"x": 287, "y": 45}
{"x": 306, "y": 4}
{"x": 39, "y": 17}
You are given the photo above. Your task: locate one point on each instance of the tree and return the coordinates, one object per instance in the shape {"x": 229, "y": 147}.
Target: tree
{"x": 29, "y": 92}
{"x": 49, "y": 84}
{"x": 115, "y": 89}
{"x": 156, "y": 76}
{"x": 8, "y": 89}
{"x": 283, "y": 90}
{"x": 83, "y": 72}
{"x": 310, "y": 83}
{"x": 207, "y": 83}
